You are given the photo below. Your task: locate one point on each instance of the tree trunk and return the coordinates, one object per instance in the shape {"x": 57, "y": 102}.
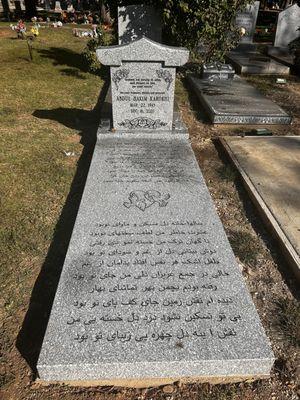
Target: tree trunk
{"x": 30, "y": 7}
{"x": 6, "y": 10}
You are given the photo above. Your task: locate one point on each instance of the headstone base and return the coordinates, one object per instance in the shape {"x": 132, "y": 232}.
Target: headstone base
{"x": 155, "y": 382}
{"x": 237, "y": 102}
{"x": 246, "y": 47}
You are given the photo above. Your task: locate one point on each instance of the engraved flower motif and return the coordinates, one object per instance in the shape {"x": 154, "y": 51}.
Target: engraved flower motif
{"x": 119, "y": 75}
{"x": 166, "y": 76}
{"x": 144, "y": 199}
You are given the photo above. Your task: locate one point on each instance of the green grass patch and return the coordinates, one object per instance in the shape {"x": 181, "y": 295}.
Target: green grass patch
{"x": 44, "y": 105}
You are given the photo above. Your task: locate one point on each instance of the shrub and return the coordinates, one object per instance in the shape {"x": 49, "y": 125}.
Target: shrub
{"x": 210, "y": 23}
{"x": 89, "y": 52}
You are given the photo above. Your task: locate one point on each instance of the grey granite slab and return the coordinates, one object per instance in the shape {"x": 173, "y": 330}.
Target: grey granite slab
{"x": 247, "y": 19}
{"x": 143, "y": 83}
{"x": 288, "y": 24}
{"x": 150, "y": 287}
{"x": 143, "y": 96}
{"x": 237, "y": 102}
{"x": 255, "y": 63}
{"x": 178, "y": 126}
{"x": 145, "y": 50}
{"x": 136, "y": 21}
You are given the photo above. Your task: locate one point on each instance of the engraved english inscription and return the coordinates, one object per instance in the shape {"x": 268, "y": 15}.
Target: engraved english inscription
{"x": 143, "y": 97}
{"x": 146, "y": 161}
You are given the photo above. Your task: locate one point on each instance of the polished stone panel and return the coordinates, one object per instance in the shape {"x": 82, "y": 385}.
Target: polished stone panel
{"x": 143, "y": 92}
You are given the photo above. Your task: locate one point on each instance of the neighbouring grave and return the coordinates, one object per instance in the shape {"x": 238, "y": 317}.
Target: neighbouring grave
{"x": 253, "y": 62}
{"x": 234, "y": 101}
{"x": 269, "y": 167}
{"x": 57, "y": 6}
{"x": 247, "y": 19}
{"x": 150, "y": 291}
{"x": 288, "y": 25}
{"x": 287, "y": 30}
{"x": 245, "y": 58}
{"x": 136, "y": 21}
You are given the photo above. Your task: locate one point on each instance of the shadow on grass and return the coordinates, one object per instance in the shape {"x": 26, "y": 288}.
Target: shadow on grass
{"x": 30, "y": 338}
{"x": 74, "y": 72}
{"x": 72, "y": 59}
{"x": 195, "y": 103}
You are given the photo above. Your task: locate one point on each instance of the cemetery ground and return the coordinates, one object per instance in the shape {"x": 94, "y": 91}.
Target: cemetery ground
{"x": 49, "y": 111}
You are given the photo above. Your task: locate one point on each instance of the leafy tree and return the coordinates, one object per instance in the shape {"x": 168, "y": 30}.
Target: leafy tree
{"x": 6, "y": 10}
{"x": 210, "y": 23}
{"x": 189, "y": 23}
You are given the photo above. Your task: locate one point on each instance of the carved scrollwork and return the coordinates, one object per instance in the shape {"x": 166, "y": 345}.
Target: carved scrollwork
{"x": 142, "y": 123}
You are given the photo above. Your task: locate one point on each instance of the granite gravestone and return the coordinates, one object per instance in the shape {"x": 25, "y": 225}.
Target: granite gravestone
{"x": 287, "y": 30}
{"x": 150, "y": 291}
{"x": 288, "y": 25}
{"x": 57, "y": 6}
{"x": 245, "y": 58}
{"x": 236, "y": 102}
{"x": 247, "y": 19}
{"x": 136, "y": 21}
{"x": 253, "y": 62}
{"x": 142, "y": 93}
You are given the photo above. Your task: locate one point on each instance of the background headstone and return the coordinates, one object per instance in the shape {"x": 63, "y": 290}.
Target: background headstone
{"x": 288, "y": 25}
{"x": 47, "y": 5}
{"x": 247, "y": 19}
{"x": 57, "y": 6}
{"x": 136, "y": 21}
{"x": 142, "y": 92}
{"x": 18, "y": 9}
